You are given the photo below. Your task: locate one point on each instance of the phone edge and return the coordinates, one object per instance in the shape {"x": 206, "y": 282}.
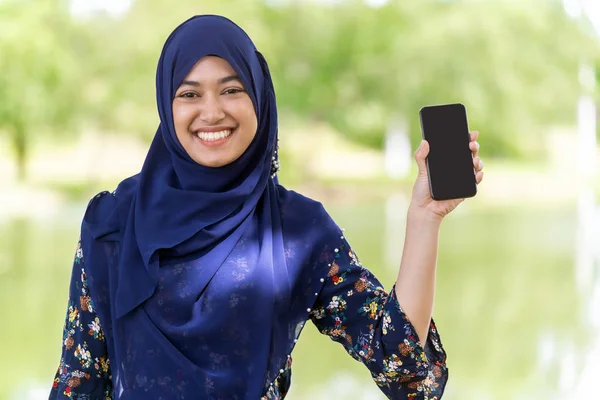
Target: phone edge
{"x": 431, "y": 193}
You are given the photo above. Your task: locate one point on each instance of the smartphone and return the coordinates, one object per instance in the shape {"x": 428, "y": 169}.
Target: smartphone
{"x": 450, "y": 161}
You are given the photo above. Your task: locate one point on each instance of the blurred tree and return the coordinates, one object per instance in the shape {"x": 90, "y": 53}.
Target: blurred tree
{"x": 42, "y": 69}
{"x": 354, "y": 66}
{"x": 514, "y": 65}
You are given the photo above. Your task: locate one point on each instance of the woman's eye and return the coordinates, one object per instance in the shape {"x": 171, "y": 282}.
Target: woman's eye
{"x": 234, "y": 91}
{"x": 188, "y": 95}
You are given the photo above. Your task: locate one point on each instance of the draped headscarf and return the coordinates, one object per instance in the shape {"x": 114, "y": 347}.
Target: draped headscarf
{"x": 181, "y": 206}
{"x": 161, "y": 249}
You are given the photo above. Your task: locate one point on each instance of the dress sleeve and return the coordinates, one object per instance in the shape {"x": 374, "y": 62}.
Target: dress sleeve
{"x": 84, "y": 369}
{"x": 354, "y": 310}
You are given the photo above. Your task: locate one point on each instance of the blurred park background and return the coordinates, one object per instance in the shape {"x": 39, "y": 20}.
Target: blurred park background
{"x": 518, "y": 294}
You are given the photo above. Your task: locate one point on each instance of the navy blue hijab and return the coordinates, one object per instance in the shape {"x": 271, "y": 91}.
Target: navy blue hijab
{"x": 203, "y": 277}
{"x": 183, "y": 209}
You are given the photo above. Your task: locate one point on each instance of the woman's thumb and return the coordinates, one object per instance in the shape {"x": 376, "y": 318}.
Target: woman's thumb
{"x": 420, "y": 155}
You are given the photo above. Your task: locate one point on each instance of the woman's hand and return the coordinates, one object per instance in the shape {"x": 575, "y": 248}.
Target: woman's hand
{"x": 421, "y": 197}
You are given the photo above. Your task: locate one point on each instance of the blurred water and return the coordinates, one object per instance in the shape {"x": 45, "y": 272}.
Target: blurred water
{"x": 515, "y": 320}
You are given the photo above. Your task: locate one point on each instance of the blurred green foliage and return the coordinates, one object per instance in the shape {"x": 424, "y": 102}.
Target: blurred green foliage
{"x": 356, "y": 67}
{"x": 41, "y": 76}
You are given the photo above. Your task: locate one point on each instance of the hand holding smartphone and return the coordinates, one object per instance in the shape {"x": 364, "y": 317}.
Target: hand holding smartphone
{"x": 450, "y": 160}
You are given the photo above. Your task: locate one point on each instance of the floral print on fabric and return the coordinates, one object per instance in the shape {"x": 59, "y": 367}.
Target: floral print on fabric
{"x": 84, "y": 369}
{"x": 354, "y": 310}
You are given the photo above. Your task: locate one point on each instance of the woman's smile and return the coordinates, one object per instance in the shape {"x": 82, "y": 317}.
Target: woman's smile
{"x": 213, "y": 137}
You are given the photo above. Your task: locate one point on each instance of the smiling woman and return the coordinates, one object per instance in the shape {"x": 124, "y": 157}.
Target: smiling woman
{"x": 214, "y": 117}
{"x": 195, "y": 277}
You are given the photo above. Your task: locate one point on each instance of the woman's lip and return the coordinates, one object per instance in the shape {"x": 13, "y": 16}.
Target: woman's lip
{"x": 214, "y": 143}
{"x": 215, "y": 129}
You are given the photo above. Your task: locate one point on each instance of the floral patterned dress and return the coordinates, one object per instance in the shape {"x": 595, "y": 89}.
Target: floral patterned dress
{"x": 352, "y": 309}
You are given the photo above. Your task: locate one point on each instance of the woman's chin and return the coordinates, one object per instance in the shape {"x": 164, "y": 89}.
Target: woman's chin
{"x": 212, "y": 162}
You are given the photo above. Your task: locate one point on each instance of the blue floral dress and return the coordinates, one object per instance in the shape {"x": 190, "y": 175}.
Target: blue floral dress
{"x": 352, "y": 309}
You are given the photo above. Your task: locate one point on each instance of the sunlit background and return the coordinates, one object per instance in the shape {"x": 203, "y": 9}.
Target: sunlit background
{"x": 518, "y": 294}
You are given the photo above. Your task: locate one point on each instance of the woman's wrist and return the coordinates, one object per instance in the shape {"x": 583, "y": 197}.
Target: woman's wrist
{"x": 421, "y": 215}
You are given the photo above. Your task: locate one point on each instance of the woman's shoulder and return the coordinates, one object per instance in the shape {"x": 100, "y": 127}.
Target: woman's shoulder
{"x": 304, "y": 212}
{"x": 296, "y": 204}
{"x": 104, "y": 212}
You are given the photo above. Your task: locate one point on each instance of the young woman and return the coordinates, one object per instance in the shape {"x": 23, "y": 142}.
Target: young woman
{"x": 195, "y": 277}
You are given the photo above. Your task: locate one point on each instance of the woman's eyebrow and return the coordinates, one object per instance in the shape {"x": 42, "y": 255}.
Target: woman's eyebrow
{"x": 229, "y": 79}
{"x": 220, "y": 81}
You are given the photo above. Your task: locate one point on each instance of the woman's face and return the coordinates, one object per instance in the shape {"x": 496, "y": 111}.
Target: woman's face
{"x": 213, "y": 115}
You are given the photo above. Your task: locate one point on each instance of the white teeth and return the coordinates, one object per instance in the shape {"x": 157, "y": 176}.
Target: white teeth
{"x": 211, "y": 136}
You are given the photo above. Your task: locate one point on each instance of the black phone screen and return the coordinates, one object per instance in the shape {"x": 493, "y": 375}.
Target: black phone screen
{"x": 450, "y": 161}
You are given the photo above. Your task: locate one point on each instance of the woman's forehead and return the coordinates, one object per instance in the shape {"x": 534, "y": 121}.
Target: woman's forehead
{"x": 211, "y": 67}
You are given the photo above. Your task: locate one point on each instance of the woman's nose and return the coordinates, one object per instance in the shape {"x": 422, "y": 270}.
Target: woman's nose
{"x": 211, "y": 111}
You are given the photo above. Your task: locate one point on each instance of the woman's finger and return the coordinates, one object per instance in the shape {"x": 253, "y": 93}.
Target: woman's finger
{"x": 474, "y": 135}
{"x": 479, "y": 177}
{"x": 477, "y": 164}
{"x": 420, "y": 155}
{"x": 474, "y": 146}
